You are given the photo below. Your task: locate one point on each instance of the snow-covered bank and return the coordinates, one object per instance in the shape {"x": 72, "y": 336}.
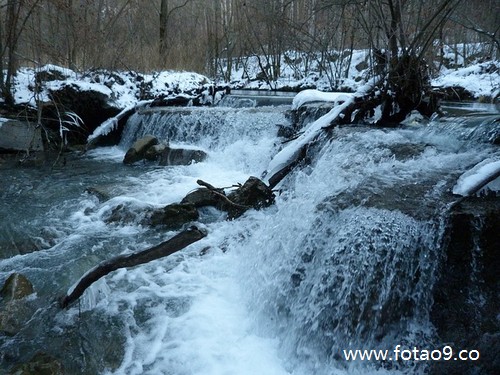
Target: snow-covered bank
{"x": 478, "y": 80}
{"x": 123, "y": 89}
{"x": 345, "y": 72}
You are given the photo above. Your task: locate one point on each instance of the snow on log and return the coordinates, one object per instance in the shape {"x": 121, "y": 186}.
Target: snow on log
{"x": 289, "y": 154}
{"x": 112, "y": 123}
{"x": 174, "y": 244}
{"x": 287, "y": 158}
{"x": 477, "y": 177}
{"x": 308, "y": 96}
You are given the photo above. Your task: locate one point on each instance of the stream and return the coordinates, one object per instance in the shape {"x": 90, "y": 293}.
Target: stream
{"x": 345, "y": 259}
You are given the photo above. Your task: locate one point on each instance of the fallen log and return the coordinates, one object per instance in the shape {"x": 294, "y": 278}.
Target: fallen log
{"x": 472, "y": 181}
{"x": 174, "y": 244}
{"x": 385, "y": 100}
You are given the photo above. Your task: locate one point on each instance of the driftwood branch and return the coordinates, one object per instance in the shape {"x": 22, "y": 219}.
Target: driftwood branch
{"x": 176, "y": 243}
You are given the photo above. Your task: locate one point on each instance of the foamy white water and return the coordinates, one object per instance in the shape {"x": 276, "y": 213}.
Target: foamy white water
{"x": 344, "y": 259}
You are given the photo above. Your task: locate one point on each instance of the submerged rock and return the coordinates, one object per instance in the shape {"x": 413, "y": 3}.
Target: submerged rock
{"x": 15, "y": 310}
{"x": 125, "y": 214}
{"x": 17, "y": 286}
{"x": 100, "y": 192}
{"x": 40, "y": 364}
{"x": 174, "y": 215}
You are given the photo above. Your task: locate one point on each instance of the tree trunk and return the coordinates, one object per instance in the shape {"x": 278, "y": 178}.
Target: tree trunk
{"x": 10, "y": 48}
{"x": 163, "y": 30}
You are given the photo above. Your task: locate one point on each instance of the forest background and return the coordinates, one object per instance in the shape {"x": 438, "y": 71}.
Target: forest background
{"x": 210, "y": 36}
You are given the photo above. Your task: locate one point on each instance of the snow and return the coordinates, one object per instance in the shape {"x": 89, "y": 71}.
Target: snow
{"x": 479, "y": 79}
{"x": 124, "y": 89}
{"x": 78, "y": 86}
{"x": 308, "y": 96}
{"x": 477, "y": 177}
{"x": 301, "y": 71}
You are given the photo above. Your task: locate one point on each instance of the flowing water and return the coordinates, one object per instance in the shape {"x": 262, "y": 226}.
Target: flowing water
{"x": 345, "y": 259}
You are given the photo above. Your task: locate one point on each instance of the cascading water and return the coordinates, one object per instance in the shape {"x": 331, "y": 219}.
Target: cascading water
{"x": 345, "y": 259}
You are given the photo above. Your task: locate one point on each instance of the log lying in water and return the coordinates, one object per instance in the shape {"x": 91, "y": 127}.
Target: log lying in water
{"x": 176, "y": 243}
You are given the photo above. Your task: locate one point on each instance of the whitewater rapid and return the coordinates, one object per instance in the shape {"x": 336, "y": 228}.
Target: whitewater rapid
{"x": 345, "y": 258}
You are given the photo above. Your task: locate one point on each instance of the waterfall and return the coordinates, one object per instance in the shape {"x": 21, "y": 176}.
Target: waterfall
{"x": 347, "y": 257}
{"x": 207, "y": 127}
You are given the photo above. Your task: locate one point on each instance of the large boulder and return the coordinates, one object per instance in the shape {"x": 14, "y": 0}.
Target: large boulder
{"x": 19, "y": 136}
{"x": 154, "y": 152}
{"x": 138, "y": 150}
{"x": 148, "y": 148}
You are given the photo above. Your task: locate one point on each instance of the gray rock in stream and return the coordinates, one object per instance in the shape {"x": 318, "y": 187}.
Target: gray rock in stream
{"x": 181, "y": 156}
{"x": 148, "y": 148}
{"x": 138, "y": 150}
{"x": 20, "y": 136}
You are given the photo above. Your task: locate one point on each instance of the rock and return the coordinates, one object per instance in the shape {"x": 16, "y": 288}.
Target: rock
{"x": 15, "y": 311}
{"x": 466, "y": 303}
{"x": 124, "y": 214}
{"x": 203, "y": 197}
{"x": 48, "y": 74}
{"x": 181, "y": 156}
{"x": 16, "y": 286}
{"x": 100, "y": 192}
{"x": 138, "y": 150}
{"x": 174, "y": 215}
{"x": 19, "y": 136}
{"x": 154, "y": 152}
{"x": 148, "y": 148}
{"x": 40, "y": 364}
{"x": 253, "y": 194}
